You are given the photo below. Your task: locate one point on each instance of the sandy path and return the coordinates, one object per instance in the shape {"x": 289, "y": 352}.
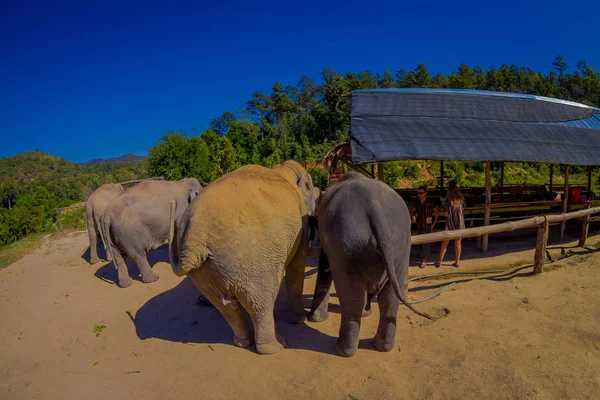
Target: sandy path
{"x": 518, "y": 337}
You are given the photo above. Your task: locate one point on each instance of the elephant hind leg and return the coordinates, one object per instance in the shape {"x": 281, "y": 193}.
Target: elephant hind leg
{"x": 91, "y": 228}
{"x": 261, "y": 310}
{"x": 320, "y": 304}
{"x": 232, "y": 311}
{"x": 388, "y": 311}
{"x": 148, "y": 276}
{"x": 121, "y": 265}
{"x": 351, "y": 290}
{"x": 268, "y": 341}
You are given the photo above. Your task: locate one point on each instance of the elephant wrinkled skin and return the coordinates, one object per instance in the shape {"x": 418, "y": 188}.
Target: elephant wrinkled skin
{"x": 364, "y": 228}
{"x": 239, "y": 237}
{"x": 137, "y": 221}
{"x": 94, "y": 211}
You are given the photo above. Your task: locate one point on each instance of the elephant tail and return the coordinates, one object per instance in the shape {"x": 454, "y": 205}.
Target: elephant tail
{"x": 194, "y": 254}
{"x": 103, "y": 237}
{"x": 386, "y": 249}
{"x": 105, "y": 232}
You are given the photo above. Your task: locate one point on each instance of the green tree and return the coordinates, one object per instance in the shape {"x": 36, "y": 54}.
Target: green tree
{"x": 222, "y": 157}
{"x": 222, "y": 123}
{"x": 176, "y": 157}
{"x": 422, "y": 77}
{"x": 560, "y": 65}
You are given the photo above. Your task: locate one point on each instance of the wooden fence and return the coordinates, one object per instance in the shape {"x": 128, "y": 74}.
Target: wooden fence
{"x": 542, "y": 222}
{"x": 156, "y": 178}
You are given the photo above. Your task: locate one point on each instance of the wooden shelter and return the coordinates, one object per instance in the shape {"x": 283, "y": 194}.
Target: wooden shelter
{"x": 469, "y": 125}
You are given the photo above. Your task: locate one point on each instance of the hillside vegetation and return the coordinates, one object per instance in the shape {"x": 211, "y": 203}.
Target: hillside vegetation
{"x": 301, "y": 122}
{"x": 35, "y": 186}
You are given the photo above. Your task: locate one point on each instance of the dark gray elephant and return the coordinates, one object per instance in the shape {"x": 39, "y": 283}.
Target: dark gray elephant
{"x": 364, "y": 228}
{"x": 238, "y": 239}
{"x": 94, "y": 210}
{"x": 137, "y": 221}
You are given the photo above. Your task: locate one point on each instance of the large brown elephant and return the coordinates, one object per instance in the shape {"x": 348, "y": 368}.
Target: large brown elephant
{"x": 237, "y": 240}
{"x": 94, "y": 210}
{"x": 137, "y": 221}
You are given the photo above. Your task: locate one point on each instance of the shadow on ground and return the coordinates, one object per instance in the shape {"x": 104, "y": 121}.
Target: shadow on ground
{"x": 108, "y": 272}
{"x": 517, "y": 272}
{"x": 174, "y": 316}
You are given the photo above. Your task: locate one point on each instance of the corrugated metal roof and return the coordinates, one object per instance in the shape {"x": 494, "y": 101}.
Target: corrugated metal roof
{"x": 474, "y": 125}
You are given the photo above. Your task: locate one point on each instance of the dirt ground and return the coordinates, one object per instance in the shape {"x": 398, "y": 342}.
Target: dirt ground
{"x": 508, "y": 336}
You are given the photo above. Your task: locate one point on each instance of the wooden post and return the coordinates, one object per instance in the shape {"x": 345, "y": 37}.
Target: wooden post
{"x": 488, "y": 196}
{"x": 565, "y": 202}
{"x": 589, "y": 186}
{"x": 442, "y": 176}
{"x": 551, "y": 165}
{"x": 502, "y": 179}
{"x": 540, "y": 247}
{"x": 373, "y": 170}
{"x": 584, "y": 227}
{"x": 380, "y": 171}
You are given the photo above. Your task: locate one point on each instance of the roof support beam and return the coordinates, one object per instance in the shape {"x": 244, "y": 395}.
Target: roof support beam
{"x": 565, "y": 203}
{"x": 501, "y": 179}
{"x": 488, "y": 197}
{"x": 380, "y": 171}
{"x": 441, "y": 176}
{"x": 589, "y": 185}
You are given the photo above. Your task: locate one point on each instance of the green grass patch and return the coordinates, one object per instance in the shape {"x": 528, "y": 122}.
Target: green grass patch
{"x": 98, "y": 329}
{"x": 14, "y": 251}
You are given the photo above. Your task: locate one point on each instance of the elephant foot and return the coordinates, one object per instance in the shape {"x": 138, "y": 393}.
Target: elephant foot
{"x": 149, "y": 278}
{"x": 126, "y": 282}
{"x": 318, "y": 315}
{"x": 366, "y": 313}
{"x": 272, "y": 347}
{"x": 243, "y": 342}
{"x": 94, "y": 260}
{"x": 383, "y": 345}
{"x": 345, "y": 350}
{"x": 294, "y": 318}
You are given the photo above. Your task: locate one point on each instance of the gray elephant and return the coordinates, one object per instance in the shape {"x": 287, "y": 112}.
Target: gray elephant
{"x": 137, "y": 221}
{"x": 364, "y": 229}
{"x": 238, "y": 239}
{"x": 94, "y": 210}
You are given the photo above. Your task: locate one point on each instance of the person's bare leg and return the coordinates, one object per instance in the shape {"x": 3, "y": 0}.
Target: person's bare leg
{"x": 458, "y": 248}
{"x": 442, "y": 252}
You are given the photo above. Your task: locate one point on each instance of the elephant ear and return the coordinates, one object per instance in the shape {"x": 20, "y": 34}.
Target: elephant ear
{"x": 308, "y": 192}
{"x": 193, "y": 194}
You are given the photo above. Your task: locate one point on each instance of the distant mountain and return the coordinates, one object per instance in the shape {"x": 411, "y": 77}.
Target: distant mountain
{"x": 124, "y": 158}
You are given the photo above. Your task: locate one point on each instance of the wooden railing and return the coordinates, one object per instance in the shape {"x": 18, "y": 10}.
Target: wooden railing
{"x": 156, "y": 178}
{"x": 542, "y": 222}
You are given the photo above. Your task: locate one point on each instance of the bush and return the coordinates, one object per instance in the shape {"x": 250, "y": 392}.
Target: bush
{"x": 320, "y": 177}
{"x": 394, "y": 171}
{"x": 73, "y": 217}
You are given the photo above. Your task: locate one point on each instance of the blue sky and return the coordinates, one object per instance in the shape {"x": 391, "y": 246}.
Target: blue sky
{"x": 88, "y": 79}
